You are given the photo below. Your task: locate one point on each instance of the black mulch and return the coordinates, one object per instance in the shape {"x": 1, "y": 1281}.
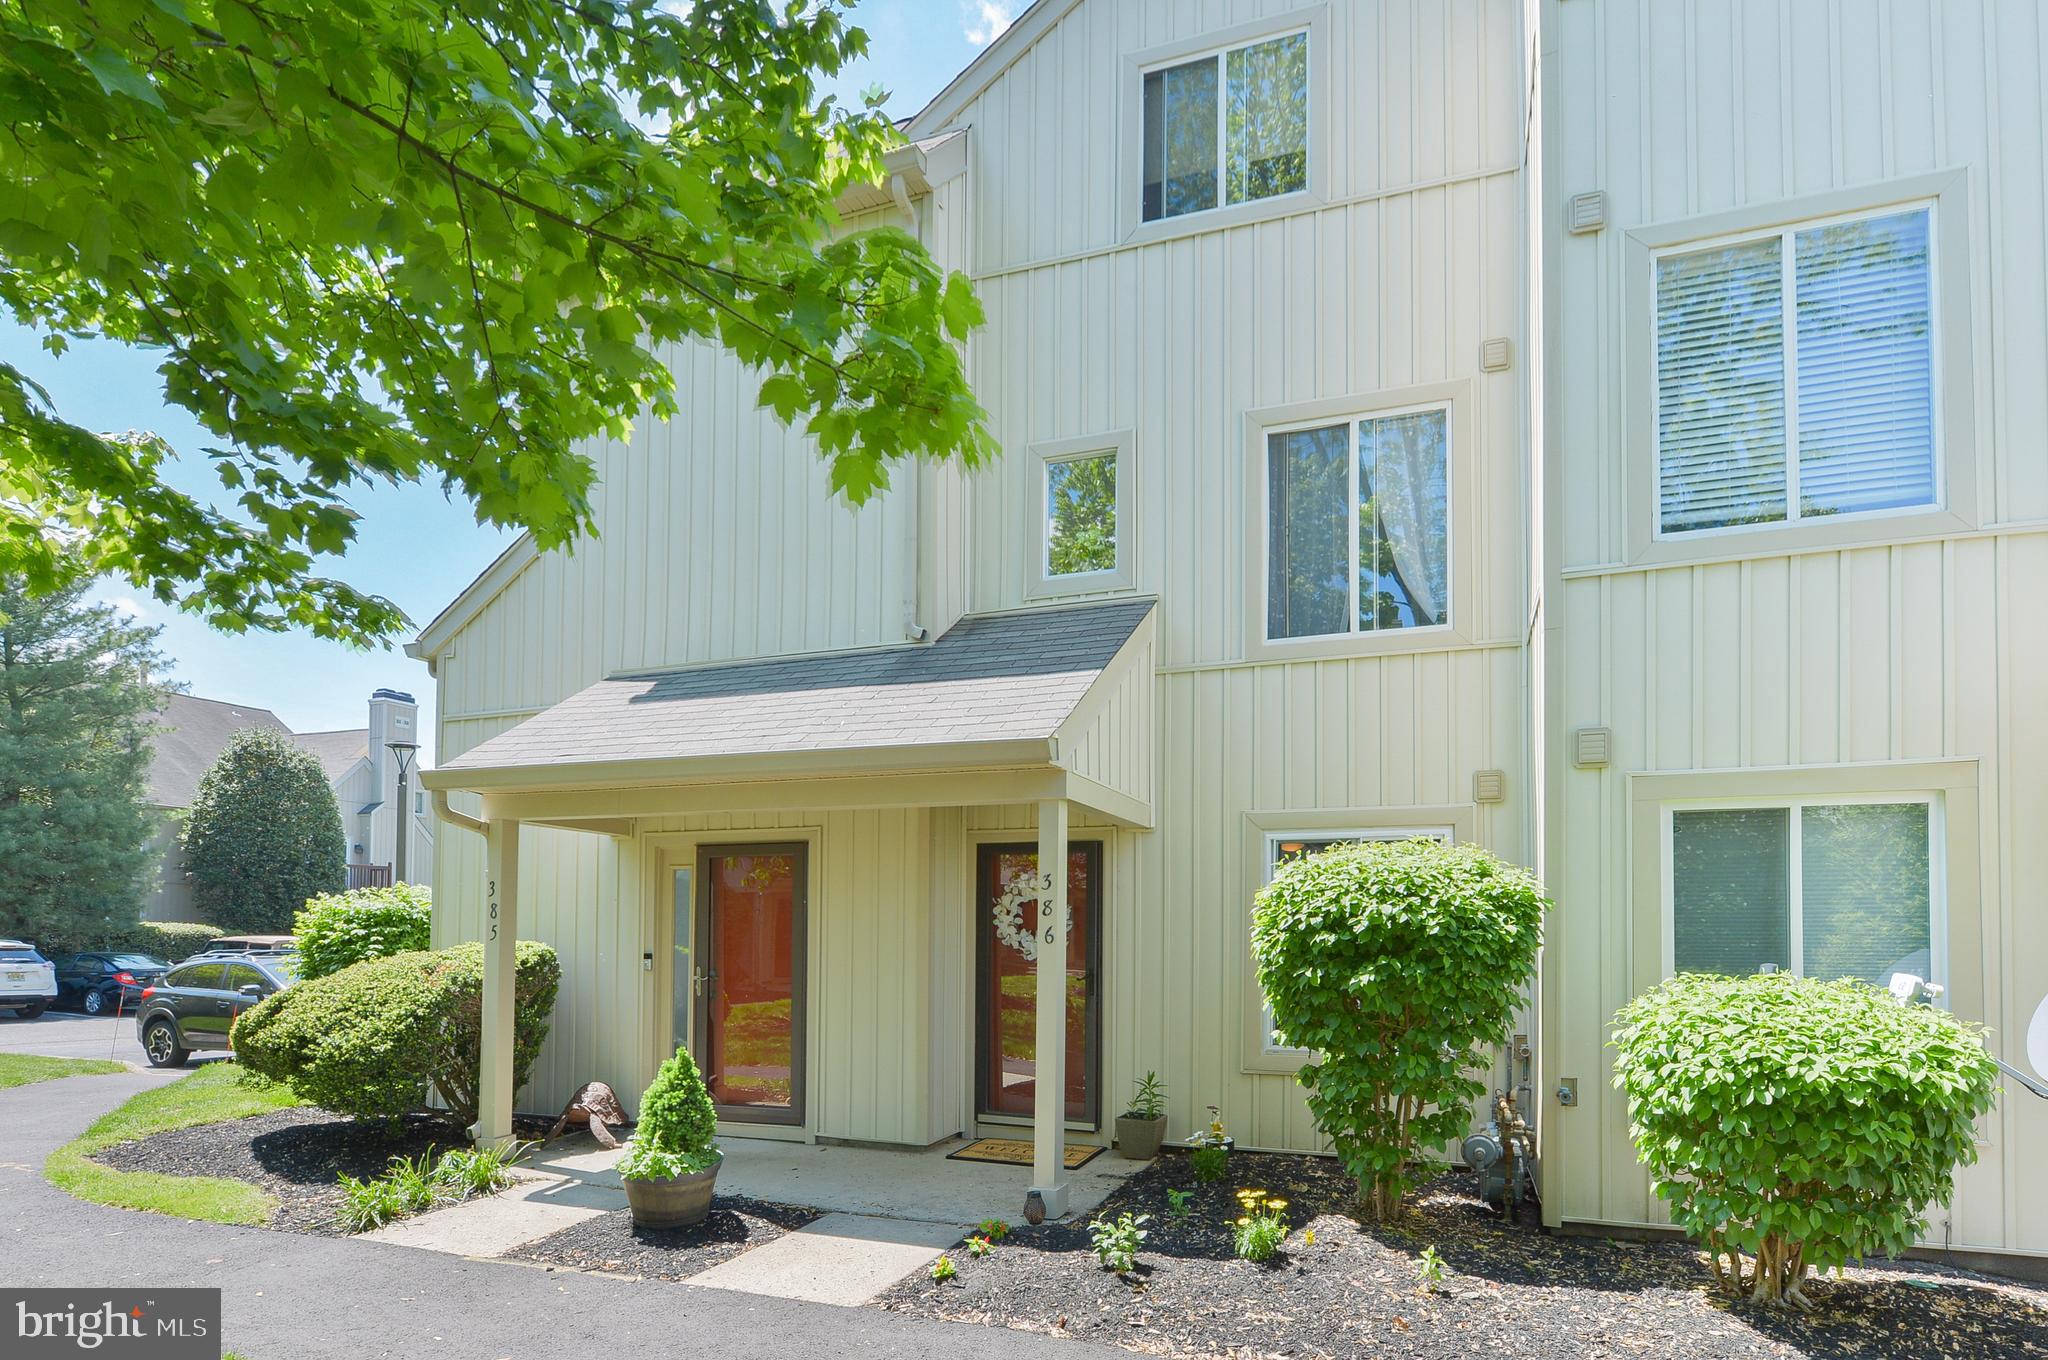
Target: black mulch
{"x": 612, "y": 1244}
{"x": 297, "y": 1155}
{"x": 1509, "y": 1291}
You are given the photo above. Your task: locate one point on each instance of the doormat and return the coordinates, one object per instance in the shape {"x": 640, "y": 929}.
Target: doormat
{"x": 1017, "y": 1152}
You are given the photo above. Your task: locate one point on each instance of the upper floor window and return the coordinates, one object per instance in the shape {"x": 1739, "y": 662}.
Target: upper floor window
{"x": 1795, "y": 374}
{"x": 1228, "y": 127}
{"x": 1080, "y": 514}
{"x": 1824, "y": 888}
{"x": 1358, "y": 526}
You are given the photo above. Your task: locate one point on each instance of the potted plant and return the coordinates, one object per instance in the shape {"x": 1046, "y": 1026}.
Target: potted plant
{"x": 1141, "y": 1130}
{"x": 671, "y": 1166}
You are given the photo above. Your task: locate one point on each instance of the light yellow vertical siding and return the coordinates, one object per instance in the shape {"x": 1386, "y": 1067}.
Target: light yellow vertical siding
{"x": 1871, "y": 652}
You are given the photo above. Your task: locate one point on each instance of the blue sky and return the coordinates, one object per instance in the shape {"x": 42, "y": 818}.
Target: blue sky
{"x": 414, "y": 545}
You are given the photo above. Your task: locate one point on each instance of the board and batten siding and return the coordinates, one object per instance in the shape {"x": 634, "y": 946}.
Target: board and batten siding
{"x": 1883, "y": 649}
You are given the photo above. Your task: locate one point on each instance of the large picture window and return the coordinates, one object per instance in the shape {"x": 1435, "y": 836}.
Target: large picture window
{"x": 1795, "y": 374}
{"x": 1227, "y": 127}
{"x": 1358, "y": 526}
{"x": 1823, "y": 889}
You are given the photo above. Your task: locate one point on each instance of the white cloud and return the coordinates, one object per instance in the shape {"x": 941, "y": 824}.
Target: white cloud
{"x": 984, "y": 20}
{"x": 124, "y": 604}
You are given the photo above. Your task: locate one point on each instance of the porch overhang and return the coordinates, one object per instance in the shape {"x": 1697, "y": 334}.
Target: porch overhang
{"x": 1010, "y": 708}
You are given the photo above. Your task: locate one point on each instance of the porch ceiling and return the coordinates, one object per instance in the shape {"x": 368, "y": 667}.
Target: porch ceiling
{"x": 976, "y": 717}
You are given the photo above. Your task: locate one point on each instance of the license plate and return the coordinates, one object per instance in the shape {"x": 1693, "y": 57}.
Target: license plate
{"x": 17, "y": 977}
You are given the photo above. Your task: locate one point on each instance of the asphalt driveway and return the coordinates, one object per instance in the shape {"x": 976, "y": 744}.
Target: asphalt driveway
{"x": 285, "y": 1295}
{"x": 69, "y": 1034}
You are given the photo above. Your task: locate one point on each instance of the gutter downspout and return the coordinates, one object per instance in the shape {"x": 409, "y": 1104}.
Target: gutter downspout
{"x": 454, "y": 818}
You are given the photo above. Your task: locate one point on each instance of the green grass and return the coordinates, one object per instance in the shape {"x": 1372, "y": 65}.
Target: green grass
{"x": 22, "y": 1069}
{"x": 212, "y": 1094}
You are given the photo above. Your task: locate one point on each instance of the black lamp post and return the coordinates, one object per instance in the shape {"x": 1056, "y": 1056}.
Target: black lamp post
{"x": 404, "y": 750}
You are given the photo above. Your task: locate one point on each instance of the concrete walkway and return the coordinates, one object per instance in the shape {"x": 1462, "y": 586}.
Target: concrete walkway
{"x": 286, "y": 1295}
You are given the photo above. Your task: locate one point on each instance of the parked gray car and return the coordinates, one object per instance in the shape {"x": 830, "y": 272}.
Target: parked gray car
{"x": 194, "y": 1006}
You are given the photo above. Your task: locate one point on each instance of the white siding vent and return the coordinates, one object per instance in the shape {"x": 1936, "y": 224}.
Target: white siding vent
{"x": 1585, "y": 212}
{"x": 1592, "y": 747}
{"x": 1497, "y": 355}
{"x": 1489, "y": 786}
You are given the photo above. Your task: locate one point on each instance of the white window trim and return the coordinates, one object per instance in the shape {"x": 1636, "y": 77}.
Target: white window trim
{"x": 1455, "y": 399}
{"x": 1312, "y": 20}
{"x": 1220, "y": 57}
{"x": 1456, "y": 823}
{"x": 1937, "y": 867}
{"x": 1039, "y": 582}
{"x": 1788, "y": 263}
{"x": 1948, "y": 193}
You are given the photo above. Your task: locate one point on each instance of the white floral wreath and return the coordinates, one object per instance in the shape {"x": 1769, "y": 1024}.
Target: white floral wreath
{"x": 1013, "y": 924}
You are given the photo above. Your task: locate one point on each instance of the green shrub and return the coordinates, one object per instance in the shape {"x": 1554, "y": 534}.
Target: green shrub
{"x": 264, "y": 834}
{"x": 1806, "y": 1123}
{"x": 368, "y": 1205}
{"x": 1116, "y": 1241}
{"x": 171, "y": 941}
{"x": 373, "y": 1039}
{"x": 1209, "y": 1162}
{"x": 338, "y": 929}
{"x": 1399, "y": 963}
{"x": 677, "y": 1124}
{"x": 1261, "y": 1225}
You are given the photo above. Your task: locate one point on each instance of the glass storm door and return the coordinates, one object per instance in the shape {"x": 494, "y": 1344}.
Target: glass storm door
{"x": 1007, "y": 963}
{"x": 750, "y": 995}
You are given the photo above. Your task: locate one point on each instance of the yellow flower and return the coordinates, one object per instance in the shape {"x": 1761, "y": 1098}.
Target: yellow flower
{"x": 1276, "y": 1204}
{"x": 1243, "y": 1221}
{"x": 1308, "y": 1237}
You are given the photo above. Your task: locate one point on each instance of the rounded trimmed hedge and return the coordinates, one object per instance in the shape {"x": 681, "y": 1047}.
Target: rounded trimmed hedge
{"x": 1400, "y": 964}
{"x": 375, "y": 1038}
{"x": 335, "y": 930}
{"x": 1805, "y": 1123}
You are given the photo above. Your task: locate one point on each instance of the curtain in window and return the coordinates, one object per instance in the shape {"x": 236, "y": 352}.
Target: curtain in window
{"x": 1866, "y": 365}
{"x": 1308, "y": 534}
{"x": 1721, "y": 387}
{"x": 1865, "y": 911}
{"x": 1403, "y": 521}
{"x": 1180, "y": 139}
{"x": 1266, "y": 119}
{"x": 1731, "y": 900}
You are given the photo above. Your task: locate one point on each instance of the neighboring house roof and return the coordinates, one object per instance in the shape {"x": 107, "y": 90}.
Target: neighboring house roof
{"x": 195, "y": 732}
{"x": 990, "y": 678}
{"x": 337, "y": 752}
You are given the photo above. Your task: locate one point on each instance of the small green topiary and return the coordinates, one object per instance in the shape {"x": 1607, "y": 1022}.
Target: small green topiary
{"x": 373, "y": 1039}
{"x": 677, "y": 1124}
{"x": 338, "y": 929}
{"x": 1400, "y": 963}
{"x": 1806, "y": 1123}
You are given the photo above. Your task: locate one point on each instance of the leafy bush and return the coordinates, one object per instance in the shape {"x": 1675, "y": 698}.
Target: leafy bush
{"x": 168, "y": 940}
{"x": 338, "y": 929}
{"x": 373, "y": 1039}
{"x": 1115, "y": 1242}
{"x": 1399, "y": 963}
{"x": 677, "y": 1122}
{"x": 1806, "y": 1123}
{"x": 264, "y": 834}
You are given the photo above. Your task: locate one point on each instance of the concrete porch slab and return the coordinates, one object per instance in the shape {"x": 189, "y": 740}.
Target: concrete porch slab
{"x": 535, "y": 1206}
{"x": 844, "y": 1259}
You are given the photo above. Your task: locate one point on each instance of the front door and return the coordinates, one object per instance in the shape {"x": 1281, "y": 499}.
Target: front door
{"x": 750, "y": 994}
{"x": 1006, "y": 952}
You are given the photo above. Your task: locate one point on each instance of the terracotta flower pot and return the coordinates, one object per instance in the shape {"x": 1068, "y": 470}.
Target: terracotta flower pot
{"x": 672, "y": 1201}
{"x": 1138, "y": 1138}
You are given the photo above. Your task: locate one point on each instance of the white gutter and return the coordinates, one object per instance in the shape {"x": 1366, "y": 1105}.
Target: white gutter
{"x": 454, "y": 818}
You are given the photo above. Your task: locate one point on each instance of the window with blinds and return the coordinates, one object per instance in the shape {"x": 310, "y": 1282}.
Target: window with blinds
{"x": 1826, "y": 890}
{"x": 1795, "y": 375}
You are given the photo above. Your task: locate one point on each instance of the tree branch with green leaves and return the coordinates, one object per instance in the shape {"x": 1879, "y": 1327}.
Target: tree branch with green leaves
{"x": 447, "y": 243}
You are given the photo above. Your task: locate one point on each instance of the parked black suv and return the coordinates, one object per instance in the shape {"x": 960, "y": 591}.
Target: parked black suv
{"x": 191, "y": 1009}
{"x": 99, "y": 983}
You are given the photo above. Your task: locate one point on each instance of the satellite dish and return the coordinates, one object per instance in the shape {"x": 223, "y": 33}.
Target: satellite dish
{"x": 2037, "y": 1038}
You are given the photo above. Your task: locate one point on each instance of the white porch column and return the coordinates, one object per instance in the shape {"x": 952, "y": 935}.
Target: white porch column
{"x": 1049, "y": 1071}
{"x": 501, "y": 934}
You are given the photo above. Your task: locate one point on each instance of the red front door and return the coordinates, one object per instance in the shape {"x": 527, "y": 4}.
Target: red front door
{"x": 750, "y": 1017}
{"x": 1006, "y": 948}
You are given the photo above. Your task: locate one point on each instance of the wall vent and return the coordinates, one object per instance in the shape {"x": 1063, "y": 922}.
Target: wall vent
{"x": 1489, "y": 786}
{"x": 1592, "y": 747}
{"x": 1497, "y": 355}
{"x": 1585, "y": 212}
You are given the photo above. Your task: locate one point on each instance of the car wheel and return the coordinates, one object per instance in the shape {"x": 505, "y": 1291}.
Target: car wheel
{"x": 93, "y": 1003}
{"x": 160, "y": 1044}
{"x": 34, "y": 1010}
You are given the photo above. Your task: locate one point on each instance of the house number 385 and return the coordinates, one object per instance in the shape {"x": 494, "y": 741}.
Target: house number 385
{"x": 491, "y": 896}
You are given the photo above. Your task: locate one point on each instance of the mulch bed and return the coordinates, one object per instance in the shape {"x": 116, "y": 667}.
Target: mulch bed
{"x": 1510, "y": 1291}
{"x": 297, "y": 1155}
{"x": 610, "y": 1243}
